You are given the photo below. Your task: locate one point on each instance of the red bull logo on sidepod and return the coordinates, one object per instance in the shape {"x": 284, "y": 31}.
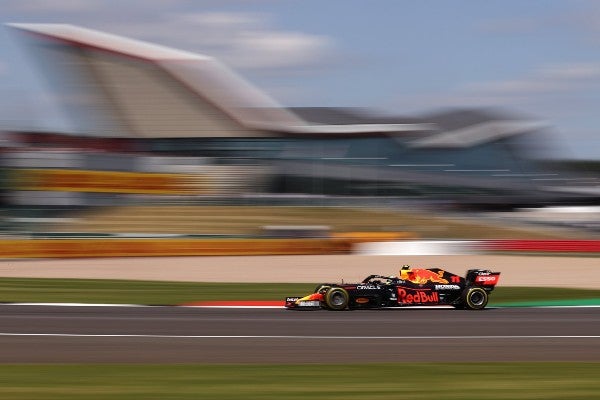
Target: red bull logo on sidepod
{"x": 417, "y": 296}
{"x": 422, "y": 276}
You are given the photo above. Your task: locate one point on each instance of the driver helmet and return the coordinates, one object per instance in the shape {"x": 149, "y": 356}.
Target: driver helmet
{"x": 404, "y": 271}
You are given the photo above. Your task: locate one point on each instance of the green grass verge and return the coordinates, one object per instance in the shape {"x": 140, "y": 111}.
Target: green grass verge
{"x": 525, "y": 296}
{"x": 164, "y": 293}
{"x": 421, "y": 381}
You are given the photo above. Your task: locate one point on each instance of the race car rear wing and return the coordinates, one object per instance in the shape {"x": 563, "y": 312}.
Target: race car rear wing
{"x": 482, "y": 277}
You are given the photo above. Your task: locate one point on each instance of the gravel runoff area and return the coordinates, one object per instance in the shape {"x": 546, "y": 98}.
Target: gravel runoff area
{"x": 561, "y": 271}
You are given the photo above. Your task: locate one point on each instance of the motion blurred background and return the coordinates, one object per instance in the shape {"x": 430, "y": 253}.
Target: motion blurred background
{"x": 235, "y": 118}
{"x": 253, "y": 127}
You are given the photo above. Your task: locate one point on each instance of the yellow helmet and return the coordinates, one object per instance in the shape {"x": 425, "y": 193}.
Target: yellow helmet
{"x": 404, "y": 271}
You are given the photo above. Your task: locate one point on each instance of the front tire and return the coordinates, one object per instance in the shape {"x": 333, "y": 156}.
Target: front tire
{"x": 474, "y": 298}
{"x": 321, "y": 287}
{"x": 337, "y": 299}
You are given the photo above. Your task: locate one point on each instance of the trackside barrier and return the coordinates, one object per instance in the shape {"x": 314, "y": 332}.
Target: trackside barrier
{"x": 367, "y": 237}
{"x": 124, "y": 247}
{"x": 456, "y": 247}
{"x": 374, "y": 245}
{"x": 417, "y": 247}
{"x": 565, "y": 246}
{"x": 67, "y": 180}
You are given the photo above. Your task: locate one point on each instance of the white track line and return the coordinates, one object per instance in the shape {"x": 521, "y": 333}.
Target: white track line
{"x": 298, "y": 336}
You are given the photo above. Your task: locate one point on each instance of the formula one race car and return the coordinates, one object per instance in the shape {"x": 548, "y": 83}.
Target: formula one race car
{"x": 414, "y": 287}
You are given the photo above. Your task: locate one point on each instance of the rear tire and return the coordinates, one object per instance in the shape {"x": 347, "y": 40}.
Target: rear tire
{"x": 337, "y": 299}
{"x": 474, "y": 298}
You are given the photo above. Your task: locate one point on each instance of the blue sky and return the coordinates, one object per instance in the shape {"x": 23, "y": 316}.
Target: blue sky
{"x": 539, "y": 58}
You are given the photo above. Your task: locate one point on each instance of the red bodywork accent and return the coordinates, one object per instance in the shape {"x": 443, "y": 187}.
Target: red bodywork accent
{"x": 487, "y": 280}
{"x": 315, "y": 296}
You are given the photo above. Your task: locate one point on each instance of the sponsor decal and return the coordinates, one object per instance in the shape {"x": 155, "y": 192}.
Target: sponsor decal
{"x": 487, "y": 279}
{"x": 455, "y": 279}
{"x": 447, "y": 287}
{"x": 368, "y": 287}
{"x": 291, "y": 302}
{"x": 312, "y": 303}
{"x": 362, "y": 300}
{"x": 312, "y": 300}
{"x": 417, "y": 296}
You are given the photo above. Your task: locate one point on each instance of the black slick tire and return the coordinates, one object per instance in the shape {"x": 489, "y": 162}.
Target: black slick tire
{"x": 337, "y": 299}
{"x": 474, "y": 298}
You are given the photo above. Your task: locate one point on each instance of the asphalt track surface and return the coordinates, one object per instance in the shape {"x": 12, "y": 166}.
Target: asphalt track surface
{"x": 50, "y": 334}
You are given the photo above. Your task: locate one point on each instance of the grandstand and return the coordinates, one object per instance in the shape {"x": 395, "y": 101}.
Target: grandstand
{"x": 146, "y": 109}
